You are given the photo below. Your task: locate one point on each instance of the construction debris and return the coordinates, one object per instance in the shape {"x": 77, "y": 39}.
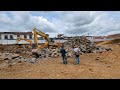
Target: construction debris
{"x": 12, "y": 58}
{"x": 6, "y": 56}
{"x": 16, "y": 48}
{"x": 85, "y": 45}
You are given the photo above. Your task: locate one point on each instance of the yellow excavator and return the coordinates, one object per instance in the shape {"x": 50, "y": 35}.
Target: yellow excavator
{"x": 46, "y": 36}
{"x": 40, "y": 33}
{"x": 20, "y": 48}
{"x": 20, "y": 38}
{"x": 36, "y": 47}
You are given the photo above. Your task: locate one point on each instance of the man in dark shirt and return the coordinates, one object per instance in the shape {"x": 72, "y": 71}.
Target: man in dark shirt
{"x": 63, "y": 54}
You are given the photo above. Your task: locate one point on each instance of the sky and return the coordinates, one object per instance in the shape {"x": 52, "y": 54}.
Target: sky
{"x": 69, "y": 23}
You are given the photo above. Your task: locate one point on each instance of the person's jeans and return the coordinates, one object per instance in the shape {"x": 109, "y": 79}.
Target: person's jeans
{"x": 64, "y": 59}
{"x": 77, "y": 60}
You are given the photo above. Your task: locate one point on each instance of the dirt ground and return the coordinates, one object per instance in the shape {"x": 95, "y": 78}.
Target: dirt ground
{"x": 107, "y": 67}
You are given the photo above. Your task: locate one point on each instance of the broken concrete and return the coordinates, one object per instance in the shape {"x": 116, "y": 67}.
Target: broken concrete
{"x": 85, "y": 45}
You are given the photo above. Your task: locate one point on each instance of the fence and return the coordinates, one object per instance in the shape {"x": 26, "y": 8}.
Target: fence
{"x": 25, "y": 42}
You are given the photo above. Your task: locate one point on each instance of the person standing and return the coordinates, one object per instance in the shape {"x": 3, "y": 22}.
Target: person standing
{"x": 63, "y": 54}
{"x": 77, "y": 55}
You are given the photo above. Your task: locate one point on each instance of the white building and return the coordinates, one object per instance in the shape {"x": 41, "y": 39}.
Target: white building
{"x": 11, "y": 37}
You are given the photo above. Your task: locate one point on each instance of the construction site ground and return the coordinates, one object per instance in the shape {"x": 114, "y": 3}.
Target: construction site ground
{"x": 106, "y": 67}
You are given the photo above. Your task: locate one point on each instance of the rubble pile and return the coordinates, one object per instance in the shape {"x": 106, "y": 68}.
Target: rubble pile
{"x": 85, "y": 45}
{"x": 5, "y": 56}
{"x": 13, "y": 58}
{"x": 45, "y": 52}
{"x": 17, "y": 48}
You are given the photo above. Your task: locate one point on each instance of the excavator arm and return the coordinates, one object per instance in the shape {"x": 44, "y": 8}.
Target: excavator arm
{"x": 20, "y": 38}
{"x": 40, "y": 33}
{"x": 30, "y": 41}
{"x": 36, "y": 50}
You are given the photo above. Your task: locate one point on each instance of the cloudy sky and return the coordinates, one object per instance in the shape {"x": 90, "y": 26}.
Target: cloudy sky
{"x": 69, "y": 23}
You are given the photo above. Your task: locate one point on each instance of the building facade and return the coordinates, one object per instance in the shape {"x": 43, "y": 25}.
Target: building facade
{"x": 11, "y": 38}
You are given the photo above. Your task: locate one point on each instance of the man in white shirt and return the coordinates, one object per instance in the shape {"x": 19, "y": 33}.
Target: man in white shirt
{"x": 77, "y": 54}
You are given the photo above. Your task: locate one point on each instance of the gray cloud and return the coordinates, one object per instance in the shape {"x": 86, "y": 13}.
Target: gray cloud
{"x": 24, "y": 21}
{"x": 68, "y": 22}
{"x": 95, "y": 23}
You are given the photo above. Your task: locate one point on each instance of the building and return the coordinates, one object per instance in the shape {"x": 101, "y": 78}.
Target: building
{"x": 89, "y": 37}
{"x": 14, "y": 35}
{"x": 60, "y": 35}
{"x": 11, "y": 37}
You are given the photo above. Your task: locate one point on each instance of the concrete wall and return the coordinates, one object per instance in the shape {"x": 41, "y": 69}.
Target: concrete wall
{"x": 89, "y": 38}
{"x": 97, "y": 40}
{"x": 3, "y": 41}
{"x": 24, "y": 42}
{"x": 43, "y": 41}
{"x": 61, "y": 41}
{"x": 15, "y": 41}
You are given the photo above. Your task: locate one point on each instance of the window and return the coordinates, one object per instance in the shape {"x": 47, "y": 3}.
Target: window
{"x": 11, "y": 36}
{"x": 30, "y": 36}
{"x": 25, "y": 36}
{"x": 6, "y": 36}
{"x": 18, "y": 35}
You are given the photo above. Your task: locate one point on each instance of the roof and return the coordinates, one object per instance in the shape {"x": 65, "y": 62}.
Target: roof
{"x": 60, "y": 34}
{"x": 24, "y": 33}
{"x": 17, "y": 33}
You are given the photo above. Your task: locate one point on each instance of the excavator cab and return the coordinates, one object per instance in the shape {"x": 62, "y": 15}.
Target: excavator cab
{"x": 51, "y": 40}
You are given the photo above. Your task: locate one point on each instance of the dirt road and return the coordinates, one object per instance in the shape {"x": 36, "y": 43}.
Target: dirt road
{"x": 107, "y": 66}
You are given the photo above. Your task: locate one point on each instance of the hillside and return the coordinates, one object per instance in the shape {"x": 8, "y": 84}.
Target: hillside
{"x": 114, "y": 36}
{"x": 115, "y": 41}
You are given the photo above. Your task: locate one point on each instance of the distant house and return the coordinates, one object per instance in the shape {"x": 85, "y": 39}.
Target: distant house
{"x": 8, "y": 35}
{"x": 60, "y": 35}
{"x": 11, "y": 37}
{"x": 14, "y": 35}
{"x": 89, "y": 37}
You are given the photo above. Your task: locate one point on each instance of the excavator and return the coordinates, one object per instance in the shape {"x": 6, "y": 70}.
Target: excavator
{"x": 20, "y": 48}
{"x": 37, "y": 47}
{"x": 40, "y": 33}
{"x": 46, "y": 36}
{"x": 20, "y": 38}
